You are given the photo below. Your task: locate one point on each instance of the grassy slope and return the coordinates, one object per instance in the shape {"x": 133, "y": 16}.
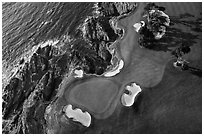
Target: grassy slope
{"x": 176, "y": 9}
{"x": 174, "y": 105}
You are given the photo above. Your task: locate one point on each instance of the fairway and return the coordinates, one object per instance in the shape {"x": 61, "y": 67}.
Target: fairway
{"x": 171, "y": 101}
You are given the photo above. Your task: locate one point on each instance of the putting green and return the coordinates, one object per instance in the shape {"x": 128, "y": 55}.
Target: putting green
{"x": 96, "y": 95}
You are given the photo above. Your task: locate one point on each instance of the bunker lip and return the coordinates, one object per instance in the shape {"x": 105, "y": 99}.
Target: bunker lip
{"x": 110, "y": 108}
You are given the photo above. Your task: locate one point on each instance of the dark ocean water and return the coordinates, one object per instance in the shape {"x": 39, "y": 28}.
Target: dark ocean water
{"x": 27, "y": 24}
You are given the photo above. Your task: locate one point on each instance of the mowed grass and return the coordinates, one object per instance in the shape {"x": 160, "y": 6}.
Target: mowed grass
{"x": 143, "y": 66}
{"x": 175, "y": 104}
{"x": 172, "y": 106}
{"x": 178, "y": 8}
{"x": 96, "y": 95}
{"x": 188, "y": 13}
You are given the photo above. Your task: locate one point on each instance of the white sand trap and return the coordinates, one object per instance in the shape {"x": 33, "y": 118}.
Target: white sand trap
{"x": 128, "y": 99}
{"x": 83, "y": 117}
{"x": 138, "y": 26}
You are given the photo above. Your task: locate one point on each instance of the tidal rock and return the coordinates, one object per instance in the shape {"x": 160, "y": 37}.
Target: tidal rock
{"x": 156, "y": 23}
{"x": 24, "y": 97}
{"x": 115, "y": 9}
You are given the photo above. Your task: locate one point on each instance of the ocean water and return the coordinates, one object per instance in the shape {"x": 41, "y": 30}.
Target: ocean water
{"x": 27, "y": 24}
